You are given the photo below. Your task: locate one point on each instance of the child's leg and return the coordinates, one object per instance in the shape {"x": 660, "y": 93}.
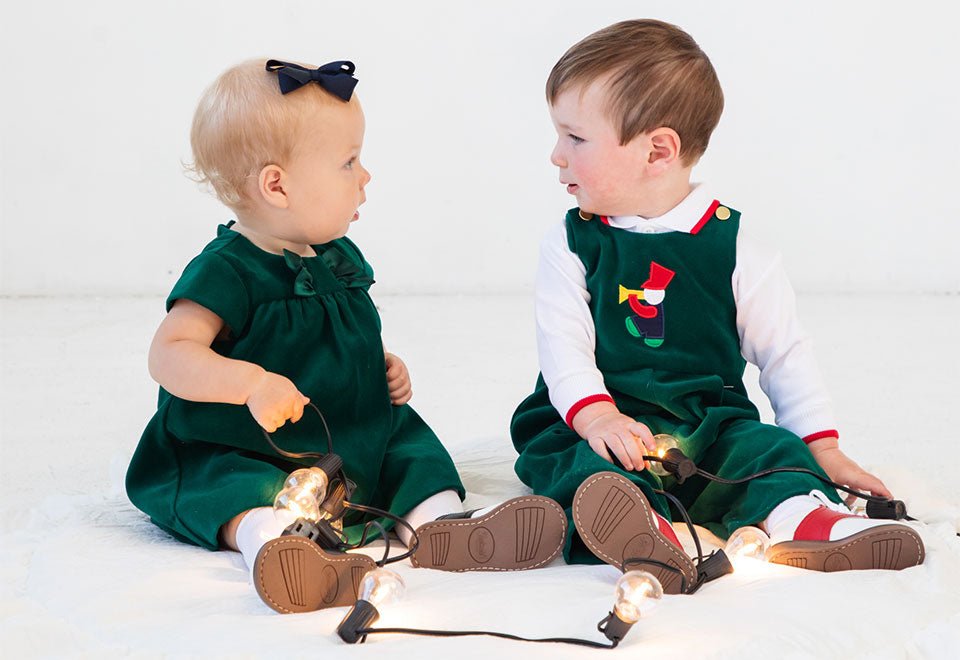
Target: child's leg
{"x": 441, "y": 504}
{"x": 519, "y": 534}
{"x": 292, "y": 573}
{"x": 554, "y": 461}
{"x": 808, "y": 523}
{"x": 810, "y": 531}
{"x": 419, "y": 481}
{"x": 615, "y": 521}
{"x": 735, "y": 450}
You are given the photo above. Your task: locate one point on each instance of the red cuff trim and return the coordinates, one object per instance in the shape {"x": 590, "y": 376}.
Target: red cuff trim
{"x": 706, "y": 216}
{"x": 605, "y": 220}
{"x": 583, "y": 403}
{"x": 832, "y": 433}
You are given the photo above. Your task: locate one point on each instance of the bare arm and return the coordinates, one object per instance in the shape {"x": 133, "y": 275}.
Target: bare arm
{"x": 183, "y": 363}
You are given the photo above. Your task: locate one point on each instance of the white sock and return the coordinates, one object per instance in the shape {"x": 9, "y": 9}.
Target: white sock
{"x": 430, "y": 509}
{"x": 259, "y": 526}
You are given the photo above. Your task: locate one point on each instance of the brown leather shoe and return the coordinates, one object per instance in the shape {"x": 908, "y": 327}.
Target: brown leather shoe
{"x": 829, "y": 538}
{"x": 617, "y": 524}
{"x": 522, "y": 533}
{"x": 293, "y": 574}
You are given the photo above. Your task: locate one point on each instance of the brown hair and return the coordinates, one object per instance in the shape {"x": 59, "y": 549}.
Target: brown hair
{"x": 243, "y": 123}
{"x": 658, "y": 77}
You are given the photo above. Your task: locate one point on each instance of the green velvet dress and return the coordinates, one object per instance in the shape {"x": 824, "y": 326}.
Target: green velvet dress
{"x": 309, "y": 319}
{"x": 675, "y": 366}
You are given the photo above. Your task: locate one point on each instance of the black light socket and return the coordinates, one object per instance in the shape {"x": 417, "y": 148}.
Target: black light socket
{"x": 330, "y": 464}
{"x": 676, "y": 463}
{"x": 890, "y": 509}
{"x": 362, "y": 615}
{"x": 614, "y": 628}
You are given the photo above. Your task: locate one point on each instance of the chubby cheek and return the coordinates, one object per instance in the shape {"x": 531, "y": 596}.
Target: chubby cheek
{"x": 587, "y": 172}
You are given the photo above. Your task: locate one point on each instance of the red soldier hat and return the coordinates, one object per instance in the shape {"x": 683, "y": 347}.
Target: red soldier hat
{"x": 659, "y": 277}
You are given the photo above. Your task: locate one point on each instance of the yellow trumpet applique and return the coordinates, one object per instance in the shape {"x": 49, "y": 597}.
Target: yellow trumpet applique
{"x": 625, "y": 293}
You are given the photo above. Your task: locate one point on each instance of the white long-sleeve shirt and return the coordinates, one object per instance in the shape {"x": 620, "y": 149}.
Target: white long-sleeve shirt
{"x": 770, "y": 333}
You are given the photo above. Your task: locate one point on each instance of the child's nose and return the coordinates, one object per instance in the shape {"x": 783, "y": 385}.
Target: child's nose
{"x": 365, "y": 179}
{"x": 556, "y": 157}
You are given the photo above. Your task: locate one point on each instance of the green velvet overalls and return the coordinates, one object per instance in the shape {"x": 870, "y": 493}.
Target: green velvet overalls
{"x": 311, "y": 320}
{"x": 679, "y": 374}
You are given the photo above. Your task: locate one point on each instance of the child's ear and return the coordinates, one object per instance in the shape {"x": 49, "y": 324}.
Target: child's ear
{"x": 664, "y": 149}
{"x": 270, "y": 185}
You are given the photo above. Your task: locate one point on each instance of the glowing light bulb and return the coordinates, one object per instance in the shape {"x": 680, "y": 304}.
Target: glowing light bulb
{"x": 638, "y": 592}
{"x": 312, "y": 478}
{"x": 378, "y": 587}
{"x": 381, "y": 586}
{"x": 299, "y": 501}
{"x": 747, "y": 543}
{"x": 663, "y": 442}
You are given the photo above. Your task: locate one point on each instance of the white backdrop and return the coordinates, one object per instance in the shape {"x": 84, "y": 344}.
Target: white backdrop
{"x": 839, "y": 138}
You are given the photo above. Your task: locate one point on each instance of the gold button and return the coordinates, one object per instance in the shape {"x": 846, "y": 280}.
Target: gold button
{"x": 586, "y": 216}
{"x": 722, "y": 213}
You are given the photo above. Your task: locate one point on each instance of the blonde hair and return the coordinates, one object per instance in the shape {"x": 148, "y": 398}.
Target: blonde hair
{"x": 658, "y": 77}
{"x": 243, "y": 123}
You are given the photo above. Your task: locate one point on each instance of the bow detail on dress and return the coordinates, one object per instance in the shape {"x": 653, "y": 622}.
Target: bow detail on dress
{"x": 303, "y": 285}
{"x": 347, "y": 272}
{"x": 335, "y": 77}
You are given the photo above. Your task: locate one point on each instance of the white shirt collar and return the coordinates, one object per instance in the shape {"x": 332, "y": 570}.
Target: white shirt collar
{"x": 682, "y": 217}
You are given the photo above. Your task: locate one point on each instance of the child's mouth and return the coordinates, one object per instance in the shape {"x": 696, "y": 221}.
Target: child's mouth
{"x": 572, "y": 188}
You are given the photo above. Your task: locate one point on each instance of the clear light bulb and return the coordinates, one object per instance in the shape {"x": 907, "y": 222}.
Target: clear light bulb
{"x": 662, "y": 442}
{"x": 638, "y": 592}
{"x": 747, "y": 543}
{"x": 381, "y": 586}
{"x": 311, "y": 478}
{"x": 299, "y": 501}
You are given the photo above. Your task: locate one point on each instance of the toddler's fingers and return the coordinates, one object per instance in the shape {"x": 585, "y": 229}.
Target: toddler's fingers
{"x": 403, "y": 392}
{"x": 600, "y": 449}
{"x": 297, "y": 412}
{"x": 642, "y": 432}
{"x": 397, "y": 380}
{"x": 619, "y": 450}
{"x": 634, "y": 448}
{"x": 875, "y": 486}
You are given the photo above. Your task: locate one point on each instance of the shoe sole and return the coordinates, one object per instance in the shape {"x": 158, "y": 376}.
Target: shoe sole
{"x": 616, "y": 523}
{"x": 887, "y": 547}
{"x": 520, "y": 534}
{"x": 293, "y": 574}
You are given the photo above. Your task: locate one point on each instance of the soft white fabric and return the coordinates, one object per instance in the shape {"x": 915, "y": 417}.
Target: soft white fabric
{"x": 85, "y": 575}
{"x": 259, "y": 526}
{"x": 771, "y": 336}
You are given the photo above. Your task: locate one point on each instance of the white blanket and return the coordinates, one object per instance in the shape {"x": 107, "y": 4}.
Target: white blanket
{"x": 85, "y": 575}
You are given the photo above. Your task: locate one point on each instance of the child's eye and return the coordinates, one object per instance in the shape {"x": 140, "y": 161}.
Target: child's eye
{"x": 349, "y": 164}
{"x": 575, "y": 139}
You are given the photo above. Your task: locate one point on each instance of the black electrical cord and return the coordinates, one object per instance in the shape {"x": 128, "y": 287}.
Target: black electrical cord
{"x": 667, "y": 462}
{"x": 464, "y": 633}
{"x": 350, "y": 505}
{"x": 305, "y": 454}
{"x": 396, "y": 519}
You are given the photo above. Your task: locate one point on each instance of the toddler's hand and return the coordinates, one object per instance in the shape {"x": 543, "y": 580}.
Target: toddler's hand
{"x": 273, "y": 400}
{"x": 842, "y": 469}
{"x": 398, "y": 380}
{"x": 627, "y": 438}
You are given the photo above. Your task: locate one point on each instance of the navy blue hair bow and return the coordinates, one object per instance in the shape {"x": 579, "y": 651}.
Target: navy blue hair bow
{"x": 335, "y": 77}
